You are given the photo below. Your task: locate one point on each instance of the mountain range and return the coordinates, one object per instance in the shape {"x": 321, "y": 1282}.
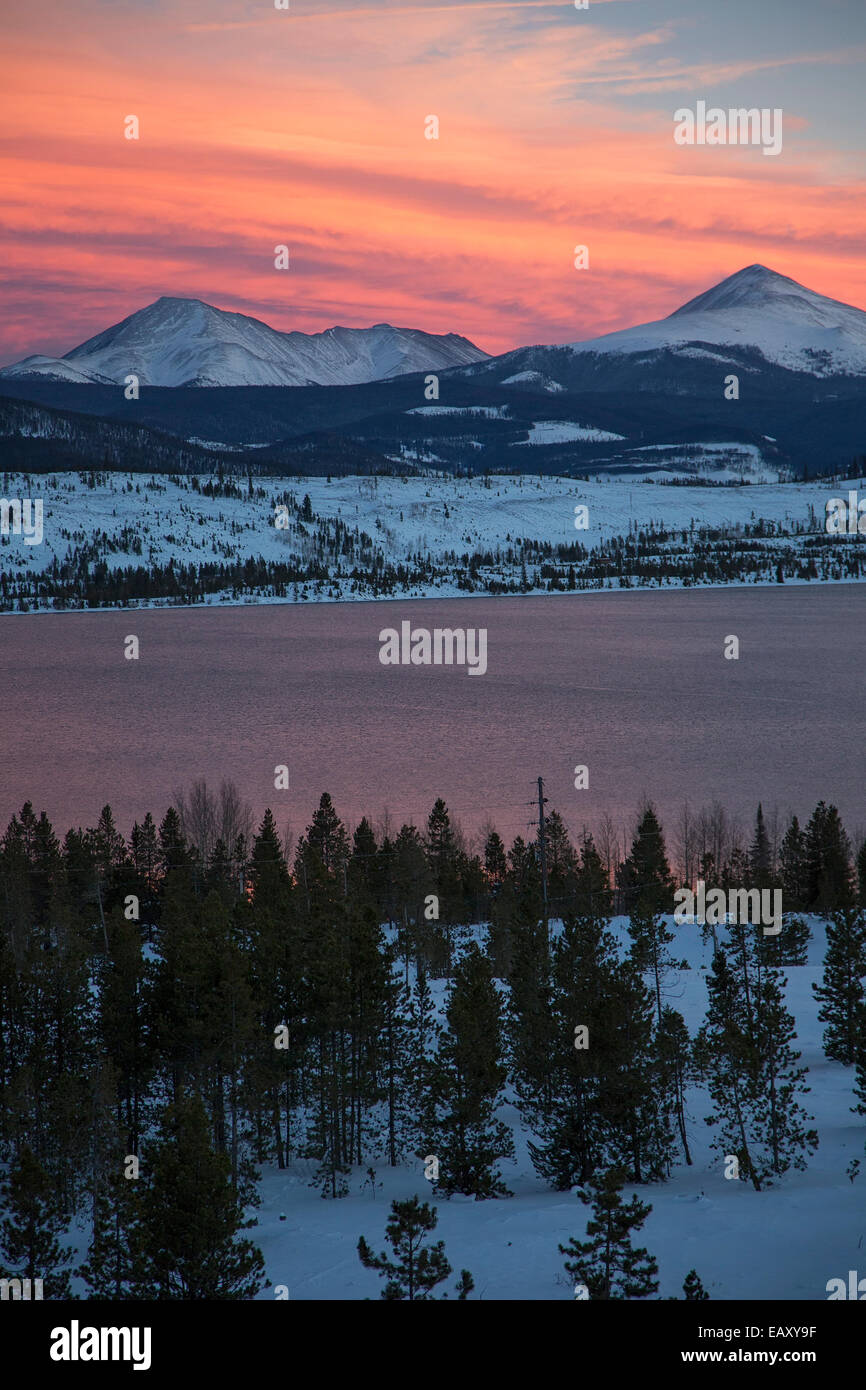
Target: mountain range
{"x": 647, "y": 399}
{"x": 185, "y": 342}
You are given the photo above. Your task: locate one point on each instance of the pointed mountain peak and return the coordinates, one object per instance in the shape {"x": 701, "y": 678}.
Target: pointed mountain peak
{"x": 753, "y": 285}
{"x": 177, "y": 299}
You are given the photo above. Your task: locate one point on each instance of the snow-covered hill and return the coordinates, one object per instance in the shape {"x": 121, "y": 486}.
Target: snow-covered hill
{"x": 185, "y": 342}
{"x": 132, "y": 519}
{"x": 757, "y": 308}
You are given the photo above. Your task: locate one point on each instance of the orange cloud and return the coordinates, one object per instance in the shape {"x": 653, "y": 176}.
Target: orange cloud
{"x": 263, "y": 130}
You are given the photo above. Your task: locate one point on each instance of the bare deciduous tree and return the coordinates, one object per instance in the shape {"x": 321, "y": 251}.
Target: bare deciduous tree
{"x": 207, "y": 816}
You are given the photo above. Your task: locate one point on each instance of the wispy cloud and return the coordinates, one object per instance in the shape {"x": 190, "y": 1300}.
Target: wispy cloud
{"x": 307, "y": 127}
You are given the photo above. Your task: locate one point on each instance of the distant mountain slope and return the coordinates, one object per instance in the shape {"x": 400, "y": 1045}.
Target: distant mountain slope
{"x": 185, "y": 342}
{"x": 789, "y": 325}
{"x": 755, "y": 314}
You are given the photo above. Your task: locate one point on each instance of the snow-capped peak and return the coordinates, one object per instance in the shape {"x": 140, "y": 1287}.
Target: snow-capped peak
{"x": 186, "y": 342}
{"x": 758, "y": 308}
{"x": 758, "y": 287}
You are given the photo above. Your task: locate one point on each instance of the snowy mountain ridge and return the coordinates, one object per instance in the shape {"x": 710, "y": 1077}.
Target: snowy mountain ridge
{"x": 791, "y": 326}
{"x": 754, "y": 319}
{"x": 185, "y": 342}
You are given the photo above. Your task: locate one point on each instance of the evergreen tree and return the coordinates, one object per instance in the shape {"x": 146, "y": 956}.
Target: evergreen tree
{"x": 792, "y": 862}
{"x": 532, "y": 1028}
{"x": 861, "y": 875}
{"x": 469, "y": 1081}
{"x": 592, "y": 886}
{"x": 125, "y": 1022}
{"x": 415, "y": 1269}
{"x": 107, "y": 846}
{"x": 322, "y": 858}
{"x": 495, "y": 861}
{"x": 790, "y": 946}
{"x": 645, "y": 878}
{"x": 174, "y": 853}
{"x": 693, "y": 1288}
{"x": 724, "y": 1054}
{"x": 144, "y": 851}
{"x": 363, "y": 869}
{"x": 606, "y": 1263}
{"x": 639, "y": 1133}
{"x": 419, "y": 1078}
{"x": 828, "y": 874}
{"x": 650, "y": 936}
{"x": 782, "y": 1141}
{"x": 412, "y": 881}
{"x": 525, "y": 879}
{"x": 191, "y": 1216}
{"x": 31, "y": 1224}
{"x": 759, "y": 855}
{"x": 443, "y": 861}
{"x": 267, "y": 873}
{"x": 114, "y": 1266}
{"x": 674, "y": 1070}
{"x": 841, "y": 993}
{"x": 754, "y": 1081}
{"x": 562, "y": 866}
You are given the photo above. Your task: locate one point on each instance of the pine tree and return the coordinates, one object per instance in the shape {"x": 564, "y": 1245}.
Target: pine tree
{"x": 114, "y": 1267}
{"x": 174, "y": 853}
{"x": 443, "y": 861}
{"x": 411, "y": 881}
{"x": 790, "y": 946}
{"x": 30, "y": 1226}
{"x": 724, "y": 1053}
{"x": 674, "y": 1070}
{"x": 107, "y": 846}
{"x": 792, "y": 862}
{"x": 650, "y": 937}
{"x": 606, "y": 1263}
{"x": 828, "y": 874}
{"x": 759, "y": 855}
{"x": 693, "y": 1288}
{"x": 124, "y": 1022}
{"x": 645, "y": 877}
{"x": 267, "y": 872}
{"x": 495, "y": 861}
{"x": 531, "y": 1026}
{"x": 562, "y": 866}
{"x": 592, "y": 886}
{"x": 415, "y": 1269}
{"x": 861, "y": 875}
{"x": 469, "y": 1080}
{"x": 639, "y": 1133}
{"x": 841, "y": 993}
{"x": 191, "y": 1216}
{"x": 419, "y": 1079}
{"x": 363, "y": 871}
{"x": 525, "y": 879}
{"x": 778, "y": 1124}
{"x": 322, "y": 857}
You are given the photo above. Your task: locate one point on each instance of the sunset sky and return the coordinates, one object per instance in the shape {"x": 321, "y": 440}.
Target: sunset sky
{"x": 261, "y": 126}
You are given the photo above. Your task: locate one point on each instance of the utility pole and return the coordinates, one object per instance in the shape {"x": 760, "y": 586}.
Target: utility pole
{"x": 542, "y": 852}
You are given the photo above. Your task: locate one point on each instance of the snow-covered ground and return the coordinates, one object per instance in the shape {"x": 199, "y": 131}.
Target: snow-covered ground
{"x": 563, "y": 431}
{"x": 146, "y": 520}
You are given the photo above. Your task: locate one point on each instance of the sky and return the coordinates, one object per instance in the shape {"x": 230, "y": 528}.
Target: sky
{"x": 305, "y": 127}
